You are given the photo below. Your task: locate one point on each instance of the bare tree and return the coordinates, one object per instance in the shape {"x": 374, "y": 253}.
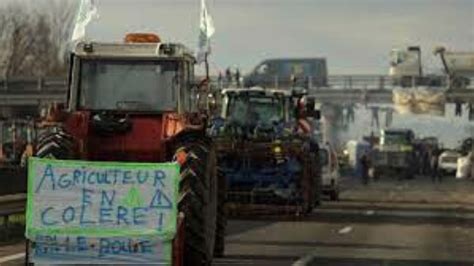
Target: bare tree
{"x": 35, "y": 39}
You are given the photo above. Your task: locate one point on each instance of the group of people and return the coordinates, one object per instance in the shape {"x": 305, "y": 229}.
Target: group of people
{"x": 458, "y": 109}
{"x": 230, "y": 78}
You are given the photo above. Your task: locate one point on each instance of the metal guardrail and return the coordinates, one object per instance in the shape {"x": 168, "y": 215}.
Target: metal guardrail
{"x": 11, "y": 205}
{"x": 26, "y": 91}
{"x": 26, "y": 84}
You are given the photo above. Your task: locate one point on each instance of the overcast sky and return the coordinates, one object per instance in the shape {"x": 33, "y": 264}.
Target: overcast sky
{"x": 355, "y": 35}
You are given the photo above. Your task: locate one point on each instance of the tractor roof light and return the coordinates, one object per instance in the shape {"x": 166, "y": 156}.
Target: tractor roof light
{"x": 277, "y": 149}
{"x": 142, "y": 38}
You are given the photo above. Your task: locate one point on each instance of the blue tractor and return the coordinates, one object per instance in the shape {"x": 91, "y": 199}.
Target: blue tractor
{"x": 265, "y": 152}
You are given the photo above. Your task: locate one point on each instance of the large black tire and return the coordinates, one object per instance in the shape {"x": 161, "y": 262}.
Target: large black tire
{"x": 221, "y": 225}
{"x": 198, "y": 202}
{"x": 308, "y": 186}
{"x": 318, "y": 180}
{"x": 55, "y": 145}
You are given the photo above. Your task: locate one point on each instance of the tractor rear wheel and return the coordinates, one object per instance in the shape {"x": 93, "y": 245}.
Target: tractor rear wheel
{"x": 219, "y": 246}
{"x": 317, "y": 181}
{"x": 198, "y": 201}
{"x": 307, "y": 186}
{"x": 56, "y": 145}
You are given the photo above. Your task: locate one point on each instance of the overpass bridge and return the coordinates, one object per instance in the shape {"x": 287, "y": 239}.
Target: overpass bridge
{"x": 337, "y": 96}
{"x": 340, "y": 89}
{"x": 346, "y": 89}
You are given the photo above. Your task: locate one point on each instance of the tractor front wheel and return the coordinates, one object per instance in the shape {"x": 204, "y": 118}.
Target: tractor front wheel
{"x": 221, "y": 225}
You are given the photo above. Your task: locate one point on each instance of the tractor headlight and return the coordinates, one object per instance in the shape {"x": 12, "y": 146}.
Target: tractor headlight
{"x": 277, "y": 149}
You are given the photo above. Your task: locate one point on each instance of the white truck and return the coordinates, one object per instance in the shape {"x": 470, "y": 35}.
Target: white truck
{"x": 330, "y": 171}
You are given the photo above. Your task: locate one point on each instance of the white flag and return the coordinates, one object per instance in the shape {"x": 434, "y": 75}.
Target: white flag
{"x": 206, "y": 31}
{"x": 87, "y": 11}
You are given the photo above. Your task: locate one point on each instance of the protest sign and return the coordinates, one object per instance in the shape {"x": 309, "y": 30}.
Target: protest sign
{"x": 81, "y": 211}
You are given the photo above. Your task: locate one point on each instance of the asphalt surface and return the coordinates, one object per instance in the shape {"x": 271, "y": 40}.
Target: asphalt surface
{"x": 398, "y": 229}
{"x": 414, "y": 222}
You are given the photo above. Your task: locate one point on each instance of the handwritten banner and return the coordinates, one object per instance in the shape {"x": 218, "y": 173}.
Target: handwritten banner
{"x": 97, "y": 211}
{"x": 60, "y": 250}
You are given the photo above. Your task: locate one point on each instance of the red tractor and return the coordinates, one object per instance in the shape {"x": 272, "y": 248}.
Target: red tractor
{"x": 138, "y": 102}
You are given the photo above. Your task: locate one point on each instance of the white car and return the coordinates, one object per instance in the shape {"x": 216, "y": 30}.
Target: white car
{"x": 330, "y": 171}
{"x": 448, "y": 162}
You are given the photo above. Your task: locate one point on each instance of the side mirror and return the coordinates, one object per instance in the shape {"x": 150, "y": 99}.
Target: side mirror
{"x": 315, "y": 114}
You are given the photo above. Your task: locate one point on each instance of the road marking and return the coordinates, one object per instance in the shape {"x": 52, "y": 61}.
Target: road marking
{"x": 12, "y": 257}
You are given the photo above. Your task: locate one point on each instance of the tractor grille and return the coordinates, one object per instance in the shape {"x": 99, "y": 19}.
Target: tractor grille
{"x": 391, "y": 159}
{"x": 261, "y": 197}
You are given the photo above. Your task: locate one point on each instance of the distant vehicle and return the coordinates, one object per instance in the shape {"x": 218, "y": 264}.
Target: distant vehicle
{"x": 406, "y": 69}
{"x": 459, "y": 66}
{"x": 448, "y": 162}
{"x": 395, "y": 153}
{"x": 330, "y": 171}
{"x": 289, "y": 72}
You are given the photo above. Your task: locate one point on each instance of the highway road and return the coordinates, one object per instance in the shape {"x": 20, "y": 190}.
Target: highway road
{"x": 403, "y": 228}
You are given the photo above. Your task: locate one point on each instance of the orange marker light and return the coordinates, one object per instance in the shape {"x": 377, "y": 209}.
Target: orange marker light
{"x": 181, "y": 157}
{"x": 142, "y": 38}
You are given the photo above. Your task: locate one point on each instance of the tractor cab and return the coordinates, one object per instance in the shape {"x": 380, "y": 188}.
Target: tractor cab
{"x": 256, "y": 107}
{"x": 130, "y": 98}
{"x": 131, "y": 78}
{"x": 262, "y": 112}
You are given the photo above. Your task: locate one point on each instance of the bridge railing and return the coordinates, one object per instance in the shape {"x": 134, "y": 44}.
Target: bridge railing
{"x": 369, "y": 82}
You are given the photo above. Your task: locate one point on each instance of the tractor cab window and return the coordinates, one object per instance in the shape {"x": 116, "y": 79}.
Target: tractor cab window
{"x": 397, "y": 57}
{"x": 189, "y": 92}
{"x": 254, "y": 110}
{"x": 129, "y": 85}
{"x": 398, "y": 138}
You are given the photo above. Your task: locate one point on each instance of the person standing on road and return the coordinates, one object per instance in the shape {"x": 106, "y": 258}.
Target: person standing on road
{"x": 435, "y": 176}
{"x": 228, "y": 76}
{"x": 219, "y": 80}
{"x": 365, "y": 166}
{"x": 237, "y": 77}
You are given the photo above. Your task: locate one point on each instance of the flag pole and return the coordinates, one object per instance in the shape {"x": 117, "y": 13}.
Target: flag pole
{"x": 206, "y": 62}
{"x": 206, "y": 59}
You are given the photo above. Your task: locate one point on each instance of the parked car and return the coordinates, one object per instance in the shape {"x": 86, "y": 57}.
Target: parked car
{"x": 289, "y": 72}
{"x": 330, "y": 171}
{"x": 448, "y": 162}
